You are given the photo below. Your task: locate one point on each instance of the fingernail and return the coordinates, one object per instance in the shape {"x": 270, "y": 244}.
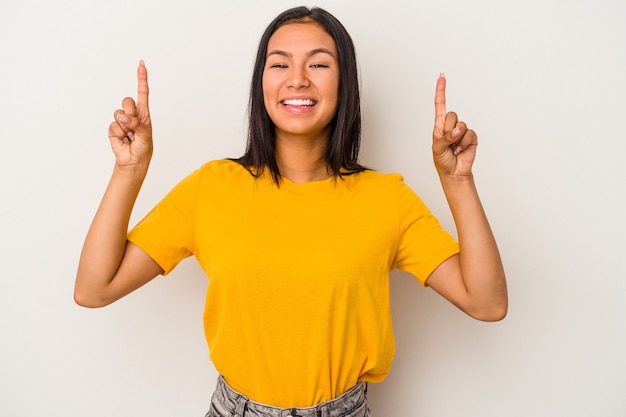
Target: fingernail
{"x": 456, "y": 131}
{"x": 122, "y": 118}
{"x": 458, "y": 150}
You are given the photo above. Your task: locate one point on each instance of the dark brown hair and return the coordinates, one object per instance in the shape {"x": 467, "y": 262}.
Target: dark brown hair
{"x": 345, "y": 134}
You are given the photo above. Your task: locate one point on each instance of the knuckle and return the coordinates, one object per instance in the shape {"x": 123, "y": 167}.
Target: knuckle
{"x": 128, "y": 104}
{"x": 116, "y": 130}
{"x": 133, "y": 122}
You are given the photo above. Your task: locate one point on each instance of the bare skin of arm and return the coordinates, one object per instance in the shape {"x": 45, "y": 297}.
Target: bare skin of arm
{"x": 473, "y": 280}
{"x": 111, "y": 267}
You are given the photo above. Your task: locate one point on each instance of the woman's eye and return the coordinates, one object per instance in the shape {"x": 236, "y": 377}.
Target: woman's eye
{"x": 319, "y": 66}
{"x": 278, "y": 66}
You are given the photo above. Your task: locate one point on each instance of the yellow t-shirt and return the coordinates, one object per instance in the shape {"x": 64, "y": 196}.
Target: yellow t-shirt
{"x": 297, "y": 307}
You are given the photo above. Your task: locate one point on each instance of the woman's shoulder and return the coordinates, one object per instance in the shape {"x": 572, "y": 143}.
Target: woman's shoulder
{"x": 371, "y": 176}
{"x": 374, "y": 183}
{"x": 222, "y": 168}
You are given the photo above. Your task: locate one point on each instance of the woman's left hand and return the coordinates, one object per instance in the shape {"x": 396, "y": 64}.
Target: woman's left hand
{"x": 454, "y": 145}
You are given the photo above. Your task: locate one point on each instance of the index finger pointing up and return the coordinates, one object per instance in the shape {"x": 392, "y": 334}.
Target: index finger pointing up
{"x": 142, "y": 85}
{"x": 440, "y": 103}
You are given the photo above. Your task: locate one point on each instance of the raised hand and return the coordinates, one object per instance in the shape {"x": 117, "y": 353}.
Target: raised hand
{"x": 110, "y": 266}
{"x": 474, "y": 279}
{"x": 454, "y": 145}
{"x": 131, "y": 132}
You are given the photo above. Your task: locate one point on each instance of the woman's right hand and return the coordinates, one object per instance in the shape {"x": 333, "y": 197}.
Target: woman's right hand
{"x": 131, "y": 132}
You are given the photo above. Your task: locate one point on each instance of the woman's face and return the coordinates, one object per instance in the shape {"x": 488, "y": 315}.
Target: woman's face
{"x": 301, "y": 81}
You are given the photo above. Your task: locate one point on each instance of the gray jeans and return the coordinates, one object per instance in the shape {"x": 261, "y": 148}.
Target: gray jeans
{"x": 226, "y": 402}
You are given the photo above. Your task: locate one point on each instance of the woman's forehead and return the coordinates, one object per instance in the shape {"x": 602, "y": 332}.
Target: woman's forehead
{"x": 301, "y": 35}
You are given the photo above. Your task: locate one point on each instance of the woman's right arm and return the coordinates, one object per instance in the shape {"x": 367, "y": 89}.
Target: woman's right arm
{"x": 111, "y": 267}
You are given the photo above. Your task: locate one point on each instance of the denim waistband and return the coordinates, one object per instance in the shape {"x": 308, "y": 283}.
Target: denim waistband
{"x": 228, "y": 402}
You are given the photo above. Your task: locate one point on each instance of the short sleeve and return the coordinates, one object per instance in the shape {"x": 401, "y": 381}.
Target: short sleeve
{"x": 167, "y": 232}
{"x": 423, "y": 243}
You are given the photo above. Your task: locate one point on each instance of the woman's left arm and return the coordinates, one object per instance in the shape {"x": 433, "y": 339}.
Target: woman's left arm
{"x": 473, "y": 280}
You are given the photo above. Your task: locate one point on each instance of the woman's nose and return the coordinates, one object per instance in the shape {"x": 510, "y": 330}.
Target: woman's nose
{"x": 298, "y": 77}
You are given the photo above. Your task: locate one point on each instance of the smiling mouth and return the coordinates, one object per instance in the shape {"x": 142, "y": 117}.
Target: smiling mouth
{"x": 302, "y": 103}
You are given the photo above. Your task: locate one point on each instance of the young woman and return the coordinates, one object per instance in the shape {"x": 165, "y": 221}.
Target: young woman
{"x": 297, "y": 239}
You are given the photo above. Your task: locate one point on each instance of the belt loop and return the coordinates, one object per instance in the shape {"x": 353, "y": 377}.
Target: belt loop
{"x": 240, "y": 409}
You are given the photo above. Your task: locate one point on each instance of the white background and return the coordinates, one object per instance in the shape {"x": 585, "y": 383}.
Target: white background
{"x": 542, "y": 82}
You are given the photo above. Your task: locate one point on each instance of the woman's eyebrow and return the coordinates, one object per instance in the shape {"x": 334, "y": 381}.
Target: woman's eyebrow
{"x": 321, "y": 51}
{"x": 309, "y": 54}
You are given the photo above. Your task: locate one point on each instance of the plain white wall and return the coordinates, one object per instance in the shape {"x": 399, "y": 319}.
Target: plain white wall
{"x": 542, "y": 82}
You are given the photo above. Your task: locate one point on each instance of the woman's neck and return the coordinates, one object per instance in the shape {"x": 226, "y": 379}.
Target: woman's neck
{"x": 302, "y": 159}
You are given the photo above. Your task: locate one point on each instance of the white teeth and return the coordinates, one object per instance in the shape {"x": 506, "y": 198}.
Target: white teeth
{"x": 299, "y": 102}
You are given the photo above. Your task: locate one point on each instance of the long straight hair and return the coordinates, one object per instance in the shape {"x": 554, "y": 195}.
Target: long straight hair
{"x": 345, "y": 128}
